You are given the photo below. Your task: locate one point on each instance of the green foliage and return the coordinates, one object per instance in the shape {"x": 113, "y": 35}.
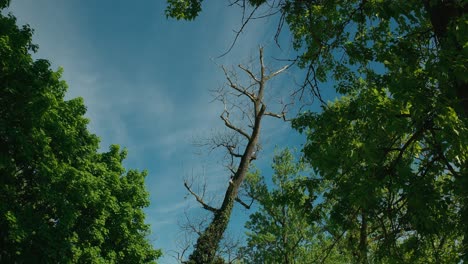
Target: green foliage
{"x": 393, "y": 149}
{"x": 395, "y": 146}
{"x": 190, "y": 9}
{"x": 380, "y": 160}
{"x": 183, "y": 9}
{"x": 61, "y": 200}
{"x": 286, "y": 227}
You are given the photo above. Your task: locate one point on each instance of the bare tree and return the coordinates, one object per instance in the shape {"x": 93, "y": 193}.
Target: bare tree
{"x": 241, "y": 145}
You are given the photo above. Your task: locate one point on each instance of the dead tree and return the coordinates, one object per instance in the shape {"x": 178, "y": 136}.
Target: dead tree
{"x": 241, "y": 147}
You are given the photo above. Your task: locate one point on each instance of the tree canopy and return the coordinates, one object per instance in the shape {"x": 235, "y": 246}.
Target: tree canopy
{"x": 392, "y": 150}
{"x": 61, "y": 200}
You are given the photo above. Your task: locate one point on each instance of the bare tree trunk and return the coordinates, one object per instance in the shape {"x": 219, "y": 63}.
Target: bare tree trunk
{"x": 207, "y": 244}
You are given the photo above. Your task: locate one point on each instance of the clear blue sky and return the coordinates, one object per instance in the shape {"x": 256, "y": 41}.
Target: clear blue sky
{"x": 146, "y": 82}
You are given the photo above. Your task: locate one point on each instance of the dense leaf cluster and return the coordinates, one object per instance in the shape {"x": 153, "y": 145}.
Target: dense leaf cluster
{"x": 60, "y": 200}
{"x": 394, "y": 147}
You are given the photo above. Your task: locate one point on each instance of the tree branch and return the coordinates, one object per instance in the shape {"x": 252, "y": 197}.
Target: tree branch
{"x": 240, "y": 31}
{"x": 231, "y": 126}
{"x": 440, "y": 153}
{"x": 278, "y": 72}
{"x": 282, "y": 115}
{"x": 235, "y": 87}
{"x": 200, "y": 200}
{"x": 247, "y": 206}
{"x": 232, "y": 153}
{"x": 249, "y": 73}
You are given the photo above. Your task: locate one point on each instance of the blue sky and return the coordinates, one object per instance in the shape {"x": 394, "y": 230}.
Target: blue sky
{"x": 146, "y": 82}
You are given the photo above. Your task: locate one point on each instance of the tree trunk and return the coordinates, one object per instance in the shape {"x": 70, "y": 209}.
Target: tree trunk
{"x": 363, "y": 239}
{"x": 442, "y": 14}
{"x": 207, "y": 243}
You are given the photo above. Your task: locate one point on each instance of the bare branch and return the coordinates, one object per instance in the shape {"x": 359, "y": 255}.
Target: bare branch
{"x": 262, "y": 69}
{"x": 193, "y": 225}
{"x": 236, "y": 87}
{"x": 282, "y": 115}
{"x": 273, "y": 74}
{"x": 231, "y": 126}
{"x": 179, "y": 254}
{"x": 229, "y": 248}
{"x": 232, "y": 169}
{"x": 230, "y": 143}
{"x": 232, "y": 153}
{"x": 247, "y": 206}
{"x": 239, "y": 32}
{"x": 249, "y": 73}
{"x": 200, "y": 199}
